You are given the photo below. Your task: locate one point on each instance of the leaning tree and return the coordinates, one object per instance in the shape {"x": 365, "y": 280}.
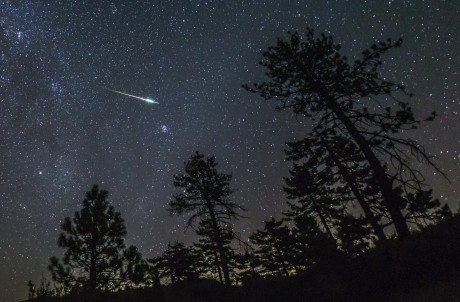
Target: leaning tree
{"x": 310, "y": 76}
{"x": 205, "y": 196}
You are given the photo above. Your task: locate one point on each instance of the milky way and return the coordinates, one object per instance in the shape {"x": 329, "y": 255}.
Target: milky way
{"x": 60, "y": 132}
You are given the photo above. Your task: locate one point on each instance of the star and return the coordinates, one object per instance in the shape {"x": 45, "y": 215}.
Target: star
{"x": 61, "y": 133}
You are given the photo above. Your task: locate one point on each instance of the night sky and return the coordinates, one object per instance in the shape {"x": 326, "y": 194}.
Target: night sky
{"x": 61, "y": 131}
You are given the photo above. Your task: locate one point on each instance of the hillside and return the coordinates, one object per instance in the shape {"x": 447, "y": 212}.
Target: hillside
{"x": 425, "y": 267}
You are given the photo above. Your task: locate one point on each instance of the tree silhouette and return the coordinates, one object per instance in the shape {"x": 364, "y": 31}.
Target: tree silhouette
{"x": 353, "y": 235}
{"x": 208, "y": 249}
{"x": 95, "y": 259}
{"x": 42, "y": 291}
{"x": 177, "y": 263}
{"x": 205, "y": 196}
{"x": 331, "y": 175}
{"x": 312, "y": 78}
{"x": 274, "y": 248}
{"x": 311, "y": 245}
{"x": 420, "y": 209}
{"x": 32, "y": 290}
{"x": 312, "y": 194}
{"x": 247, "y": 264}
{"x": 135, "y": 269}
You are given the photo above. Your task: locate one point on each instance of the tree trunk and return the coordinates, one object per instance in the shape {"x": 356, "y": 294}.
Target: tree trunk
{"x": 216, "y": 255}
{"x": 224, "y": 262}
{"x": 220, "y": 247}
{"x": 392, "y": 200}
{"x": 92, "y": 271}
{"x": 322, "y": 219}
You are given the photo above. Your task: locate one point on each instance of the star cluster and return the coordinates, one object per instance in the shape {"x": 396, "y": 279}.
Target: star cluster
{"x": 61, "y": 131}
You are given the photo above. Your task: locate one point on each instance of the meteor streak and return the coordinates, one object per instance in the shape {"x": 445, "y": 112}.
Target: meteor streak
{"x": 133, "y": 96}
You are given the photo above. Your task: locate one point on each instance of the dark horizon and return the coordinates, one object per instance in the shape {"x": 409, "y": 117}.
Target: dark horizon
{"x": 62, "y": 132}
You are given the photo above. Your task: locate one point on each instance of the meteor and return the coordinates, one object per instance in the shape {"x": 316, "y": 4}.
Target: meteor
{"x": 150, "y": 101}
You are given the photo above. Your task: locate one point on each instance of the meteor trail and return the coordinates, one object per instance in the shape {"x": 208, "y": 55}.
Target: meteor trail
{"x": 133, "y": 96}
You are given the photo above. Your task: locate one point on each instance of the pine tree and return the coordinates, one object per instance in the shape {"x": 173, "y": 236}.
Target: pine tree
{"x": 205, "y": 196}
{"x": 310, "y": 190}
{"x": 32, "y": 290}
{"x": 209, "y": 250}
{"x": 420, "y": 209}
{"x": 274, "y": 248}
{"x": 312, "y": 78}
{"x": 311, "y": 245}
{"x": 328, "y": 176}
{"x": 135, "y": 269}
{"x": 95, "y": 259}
{"x": 177, "y": 263}
{"x": 246, "y": 267}
{"x": 353, "y": 235}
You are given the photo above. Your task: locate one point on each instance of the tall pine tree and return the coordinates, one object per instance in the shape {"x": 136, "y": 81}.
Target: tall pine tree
{"x": 95, "y": 259}
{"x": 205, "y": 196}
{"x": 311, "y": 77}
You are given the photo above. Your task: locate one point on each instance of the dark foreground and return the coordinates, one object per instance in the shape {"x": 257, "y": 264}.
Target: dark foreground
{"x": 423, "y": 268}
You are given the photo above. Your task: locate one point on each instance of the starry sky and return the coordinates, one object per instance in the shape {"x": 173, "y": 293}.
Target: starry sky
{"x": 61, "y": 131}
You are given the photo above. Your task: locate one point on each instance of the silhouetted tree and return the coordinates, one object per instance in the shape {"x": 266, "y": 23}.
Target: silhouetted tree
{"x": 95, "y": 259}
{"x": 177, "y": 263}
{"x": 312, "y": 194}
{"x": 247, "y": 264}
{"x": 32, "y": 291}
{"x": 152, "y": 276}
{"x": 331, "y": 175}
{"x": 311, "y": 77}
{"x": 135, "y": 268}
{"x": 420, "y": 209}
{"x": 318, "y": 187}
{"x": 205, "y": 196}
{"x": 274, "y": 248}
{"x": 208, "y": 250}
{"x": 310, "y": 245}
{"x": 42, "y": 291}
{"x": 353, "y": 235}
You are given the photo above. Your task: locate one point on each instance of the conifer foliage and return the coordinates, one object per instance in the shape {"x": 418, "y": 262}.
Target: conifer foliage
{"x": 352, "y": 176}
{"x": 351, "y": 101}
{"x": 95, "y": 258}
{"x": 177, "y": 263}
{"x": 205, "y": 196}
{"x": 275, "y": 248}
